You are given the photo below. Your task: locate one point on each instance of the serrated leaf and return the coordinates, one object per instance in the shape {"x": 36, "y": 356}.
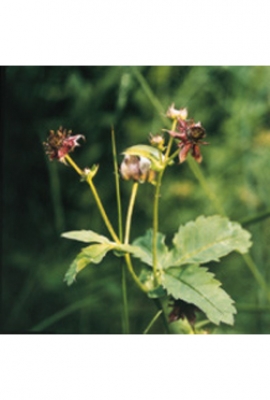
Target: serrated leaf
{"x": 207, "y": 239}
{"x": 93, "y": 253}
{"x": 85, "y": 236}
{"x": 96, "y": 252}
{"x": 194, "y": 284}
{"x": 90, "y": 254}
{"x": 144, "y": 243}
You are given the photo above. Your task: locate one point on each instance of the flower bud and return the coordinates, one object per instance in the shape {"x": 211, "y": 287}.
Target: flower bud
{"x": 137, "y": 168}
{"x": 157, "y": 141}
{"x": 175, "y": 114}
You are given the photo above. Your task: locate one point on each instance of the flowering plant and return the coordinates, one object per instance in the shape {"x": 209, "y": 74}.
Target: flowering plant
{"x": 174, "y": 277}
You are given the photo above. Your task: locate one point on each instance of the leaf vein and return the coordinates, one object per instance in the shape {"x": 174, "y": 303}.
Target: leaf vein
{"x": 182, "y": 259}
{"x": 197, "y": 291}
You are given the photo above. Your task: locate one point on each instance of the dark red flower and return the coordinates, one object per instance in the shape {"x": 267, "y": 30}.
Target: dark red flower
{"x": 60, "y": 143}
{"x": 182, "y": 309}
{"x": 190, "y": 135}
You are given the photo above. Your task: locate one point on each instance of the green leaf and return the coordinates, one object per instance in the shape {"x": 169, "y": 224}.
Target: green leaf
{"x": 194, "y": 284}
{"x": 156, "y": 293}
{"x": 127, "y": 248}
{"x": 91, "y": 254}
{"x": 122, "y": 249}
{"x": 144, "y": 243}
{"x": 147, "y": 278}
{"x": 90, "y": 236}
{"x": 207, "y": 239}
{"x": 152, "y": 153}
{"x": 85, "y": 236}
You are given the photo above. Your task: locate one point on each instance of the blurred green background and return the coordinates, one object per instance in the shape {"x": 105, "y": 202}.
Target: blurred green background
{"x": 41, "y": 199}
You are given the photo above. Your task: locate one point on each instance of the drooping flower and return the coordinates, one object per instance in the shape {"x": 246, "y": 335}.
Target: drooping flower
{"x": 137, "y": 168}
{"x": 60, "y": 143}
{"x": 182, "y": 309}
{"x": 190, "y": 135}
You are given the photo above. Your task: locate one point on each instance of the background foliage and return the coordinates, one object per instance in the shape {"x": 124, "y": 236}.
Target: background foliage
{"x": 43, "y": 199}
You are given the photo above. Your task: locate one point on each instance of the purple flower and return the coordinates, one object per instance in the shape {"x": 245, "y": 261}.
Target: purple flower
{"x": 60, "y": 143}
{"x": 190, "y": 135}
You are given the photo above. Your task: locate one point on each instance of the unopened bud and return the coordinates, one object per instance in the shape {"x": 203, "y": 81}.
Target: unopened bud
{"x": 137, "y": 168}
{"x": 157, "y": 141}
{"x": 175, "y": 114}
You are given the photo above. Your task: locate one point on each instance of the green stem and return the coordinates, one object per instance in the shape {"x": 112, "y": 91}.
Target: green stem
{"x": 255, "y": 218}
{"x": 172, "y": 157}
{"x": 153, "y": 320}
{"x": 125, "y": 320}
{"x": 117, "y": 187}
{"x": 101, "y": 210}
{"x": 73, "y": 164}
{"x": 171, "y": 140}
{"x": 110, "y": 228}
{"x": 96, "y": 197}
{"x": 127, "y": 233}
{"x": 255, "y": 272}
{"x": 125, "y": 313}
{"x": 132, "y": 272}
{"x": 167, "y": 158}
{"x": 155, "y": 226}
{"x": 160, "y": 307}
{"x": 130, "y": 211}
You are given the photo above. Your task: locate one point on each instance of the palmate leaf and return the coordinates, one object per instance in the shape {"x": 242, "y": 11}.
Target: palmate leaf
{"x": 207, "y": 239}
{"x": 194, "y": 284}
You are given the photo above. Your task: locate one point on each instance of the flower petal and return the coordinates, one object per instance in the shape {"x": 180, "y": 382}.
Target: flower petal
{"x": 184, "y": 152}
{"x": 178, "y": 135}
{"x": 60, "y": 143}
{"x": 196, "y": 153}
